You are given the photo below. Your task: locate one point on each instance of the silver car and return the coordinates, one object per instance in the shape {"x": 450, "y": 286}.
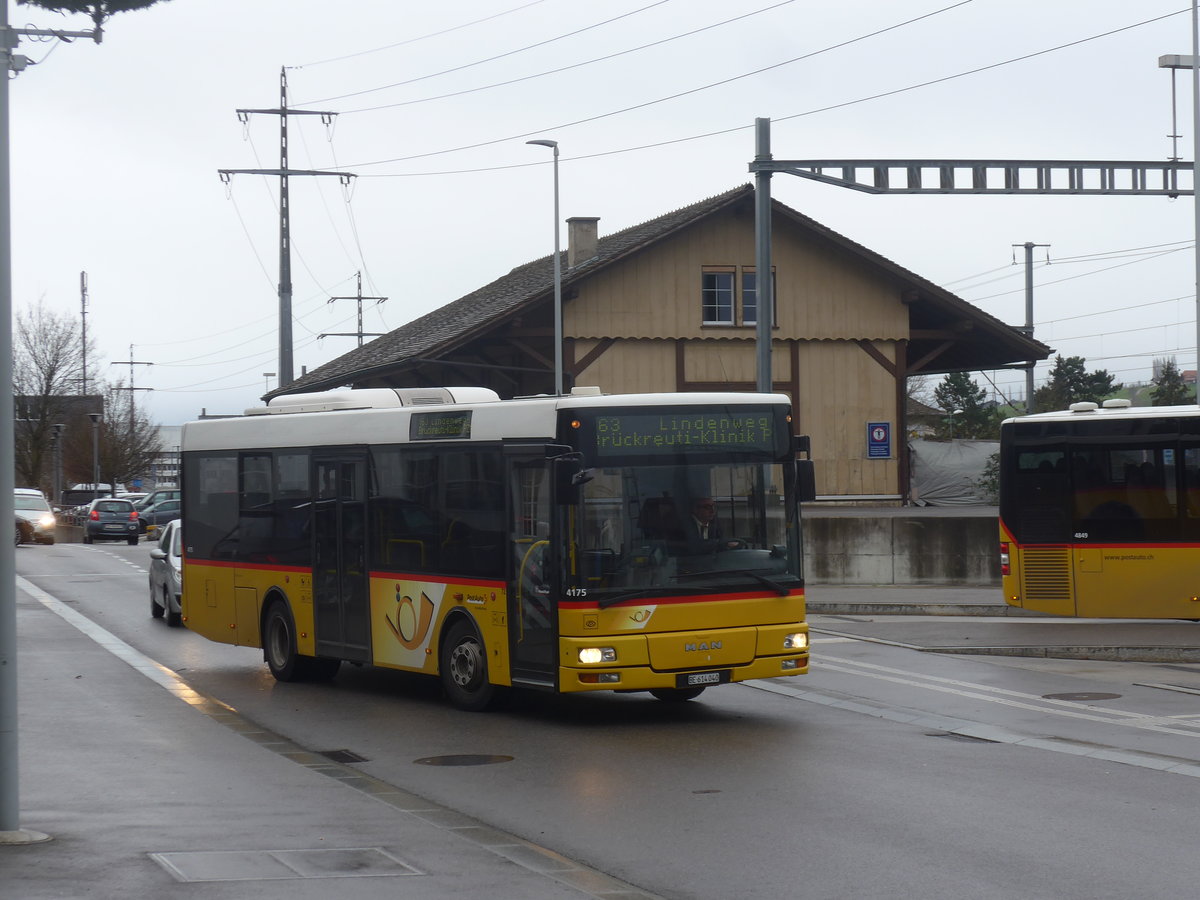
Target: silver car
{"x": 166, "y": 577}
{"x": 31, "y": 506}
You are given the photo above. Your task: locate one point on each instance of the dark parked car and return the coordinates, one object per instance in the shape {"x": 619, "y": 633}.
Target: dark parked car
{"x": 110, "y": 519}
{"x": 158, "y": 496}
{"x": 152, "y": 519}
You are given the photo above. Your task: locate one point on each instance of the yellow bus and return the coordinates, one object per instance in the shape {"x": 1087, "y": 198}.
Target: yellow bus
{"x": 549, "y": 543}
{"x": 1100, "y": 511}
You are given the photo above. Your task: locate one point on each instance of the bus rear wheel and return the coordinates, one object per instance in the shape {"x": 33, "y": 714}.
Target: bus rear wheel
{"x": 464, "y": 668}
{"x": 279, "y": 643}
{"x": 279, "y": 650}
{"x": 676, "y": 695}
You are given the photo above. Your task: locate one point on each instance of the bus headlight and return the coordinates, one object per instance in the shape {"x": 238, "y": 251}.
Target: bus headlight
{"x": 591, "y": 655}
{"x": 797, "y": 641}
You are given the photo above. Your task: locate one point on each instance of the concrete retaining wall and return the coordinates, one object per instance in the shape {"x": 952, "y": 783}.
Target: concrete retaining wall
{"x": 873, "y": 546}
{"x": 920, "y": 547}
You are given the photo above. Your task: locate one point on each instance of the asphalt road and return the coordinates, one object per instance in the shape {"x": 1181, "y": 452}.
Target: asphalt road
{"x": 886, "y": 772}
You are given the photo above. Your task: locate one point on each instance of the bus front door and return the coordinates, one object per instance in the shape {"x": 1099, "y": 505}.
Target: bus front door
{"x": 532, "y": 611}
{"x": 341, "y": 591}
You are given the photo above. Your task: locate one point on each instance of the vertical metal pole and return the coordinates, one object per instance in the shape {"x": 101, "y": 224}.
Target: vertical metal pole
{"x": 285, "y": 254}
{"x": 558, "y": 323}
{"x": 9, "y": 793}
{"x": 1196, "y": 171}
{"x": 558, "y": 327}
{"x": 58, "y": 439}
{"x": 762, "y": 258}
{"x": 360, "y": 300}
{"x": 83, "y": 304}
{"x": 1029, "y": 404}
{"x": 95, "y": 454}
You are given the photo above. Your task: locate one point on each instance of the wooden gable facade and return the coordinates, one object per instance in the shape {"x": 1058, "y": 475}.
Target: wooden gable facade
{"x": 850, "y": 327}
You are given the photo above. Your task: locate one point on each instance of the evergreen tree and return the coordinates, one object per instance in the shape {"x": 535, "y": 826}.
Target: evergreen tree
{"x": 99, "y": 10}
{"x": 1070, "y": 382}
{"x": 1169, "y": 389}
{"x": 968, "y": 414}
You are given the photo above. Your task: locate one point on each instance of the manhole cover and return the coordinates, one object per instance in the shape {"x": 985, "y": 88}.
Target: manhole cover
{"x": 1081, "y": 696}
{"x": 462, "y": 759}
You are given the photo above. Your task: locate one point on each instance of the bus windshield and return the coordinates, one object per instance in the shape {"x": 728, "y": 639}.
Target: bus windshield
{"x": 682, "y": 529}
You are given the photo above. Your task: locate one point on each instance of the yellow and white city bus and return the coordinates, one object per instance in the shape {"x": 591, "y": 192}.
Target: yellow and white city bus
{"x": 545, "y": 543}
{"x": 1100, "y": 511}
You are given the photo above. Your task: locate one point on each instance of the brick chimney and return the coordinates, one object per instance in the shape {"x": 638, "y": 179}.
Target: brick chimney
{"x": 582, "y": 237}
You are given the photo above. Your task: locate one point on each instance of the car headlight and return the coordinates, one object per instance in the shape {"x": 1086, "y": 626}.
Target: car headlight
{"x": 46, "y": 521}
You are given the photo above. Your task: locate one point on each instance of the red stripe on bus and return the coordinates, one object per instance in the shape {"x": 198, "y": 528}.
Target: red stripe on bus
{"x": 660, "y": 601}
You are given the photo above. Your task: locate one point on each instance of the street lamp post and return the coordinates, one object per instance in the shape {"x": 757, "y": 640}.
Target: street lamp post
{"x": 58, "y": 430}
{"x": 558, "y": 326}
{"x": 95, "y": 417}
{"x": 1190, "y": 62}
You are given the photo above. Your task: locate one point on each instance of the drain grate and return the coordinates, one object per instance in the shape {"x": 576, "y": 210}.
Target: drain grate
{"x": 342, "y": 756}
{"x": 462, "y": 759}
{"x": 273, "y": 865}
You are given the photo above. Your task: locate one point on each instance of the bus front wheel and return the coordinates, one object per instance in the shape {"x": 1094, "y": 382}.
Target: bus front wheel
{"x": 464, "y": 668}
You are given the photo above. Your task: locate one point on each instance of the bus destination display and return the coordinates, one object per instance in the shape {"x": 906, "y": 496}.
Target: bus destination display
{"x": 652, "y": 433}
{"x": 439, "y": 426}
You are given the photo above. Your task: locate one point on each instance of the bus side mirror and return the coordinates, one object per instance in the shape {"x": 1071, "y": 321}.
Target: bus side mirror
{"x": 569, "y": 478}
{"x": 806, "y": 481}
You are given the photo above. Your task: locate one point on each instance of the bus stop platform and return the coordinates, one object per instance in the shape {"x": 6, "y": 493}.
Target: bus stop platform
{"x": 975, "y": 620}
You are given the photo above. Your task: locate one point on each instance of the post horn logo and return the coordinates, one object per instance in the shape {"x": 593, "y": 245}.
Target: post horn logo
{"x": 411, "y": 625}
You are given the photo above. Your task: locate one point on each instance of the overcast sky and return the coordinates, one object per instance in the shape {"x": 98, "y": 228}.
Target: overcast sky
{"x": 116, "y": 147}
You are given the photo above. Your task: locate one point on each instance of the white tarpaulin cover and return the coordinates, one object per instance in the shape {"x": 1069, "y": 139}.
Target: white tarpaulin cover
{"x": 947, "y": 473}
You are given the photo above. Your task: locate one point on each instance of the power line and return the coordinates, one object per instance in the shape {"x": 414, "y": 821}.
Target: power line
{"x": 561, "y": 69}
{"x": 724, "y": 131}
{"x": 489, "y": 59}
{"x": 1085, "y": 274}
{"x": 423, "y": 37}
{"x": 675, "y": 96}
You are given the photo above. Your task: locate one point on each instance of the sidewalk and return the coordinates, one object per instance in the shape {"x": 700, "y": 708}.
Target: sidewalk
{"x": 147, "y": 792}
{"x": 975, "y": 620}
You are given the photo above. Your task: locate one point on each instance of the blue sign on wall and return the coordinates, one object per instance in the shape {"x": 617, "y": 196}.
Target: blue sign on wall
{"x": 879, "y": 440}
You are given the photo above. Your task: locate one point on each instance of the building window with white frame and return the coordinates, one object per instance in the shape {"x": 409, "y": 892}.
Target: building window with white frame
{"x": 729, "y": 295}
{"x": 717, "y": 290}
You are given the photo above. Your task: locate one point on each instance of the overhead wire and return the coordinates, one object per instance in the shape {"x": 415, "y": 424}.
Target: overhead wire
{"x": 733, "y": 129}
{"x": 675, "y": 96}
{"x": 489, "y": 59}
{"x": 423, "y": 37}
{"x": 560, "y": 69}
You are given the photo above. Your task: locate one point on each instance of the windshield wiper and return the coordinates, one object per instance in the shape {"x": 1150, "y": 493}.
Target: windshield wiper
{"x": 761, "y": 579}
{"x": 606, "y": 602}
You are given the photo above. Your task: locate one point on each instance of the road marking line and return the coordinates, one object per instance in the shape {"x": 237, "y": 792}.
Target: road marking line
{"x": 993, "y": 733}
